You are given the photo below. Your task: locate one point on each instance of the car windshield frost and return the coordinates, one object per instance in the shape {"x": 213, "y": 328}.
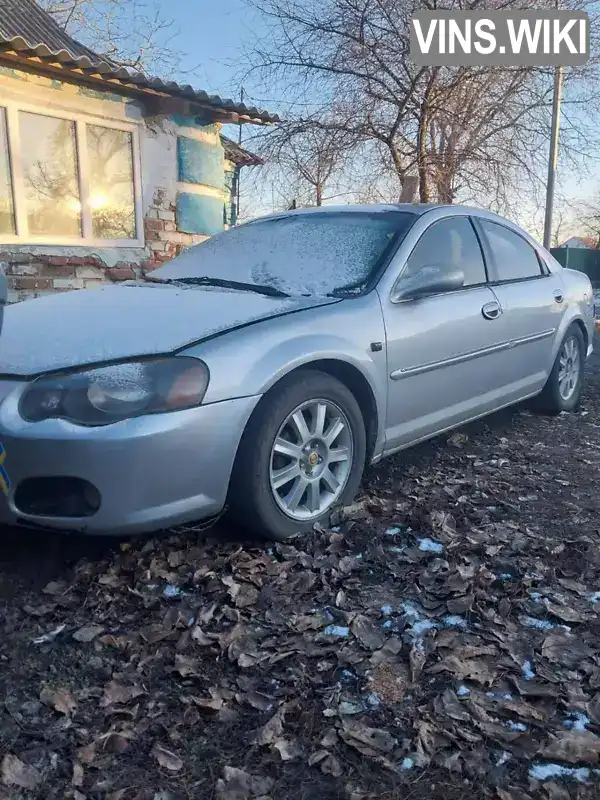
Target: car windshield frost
{"x": 297, "y": 255}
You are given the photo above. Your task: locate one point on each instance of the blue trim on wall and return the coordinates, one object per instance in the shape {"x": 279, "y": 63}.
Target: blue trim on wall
{"x": 199, "y": 213}
{"x": 200, "y": 162}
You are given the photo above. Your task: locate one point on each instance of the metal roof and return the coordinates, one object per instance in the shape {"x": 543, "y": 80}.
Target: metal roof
{"x": 27, "y": 31}
{"x": 236, "y": 154}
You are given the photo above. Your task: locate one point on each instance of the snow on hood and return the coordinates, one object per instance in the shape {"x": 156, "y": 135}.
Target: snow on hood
{"x": 88, "y": 326}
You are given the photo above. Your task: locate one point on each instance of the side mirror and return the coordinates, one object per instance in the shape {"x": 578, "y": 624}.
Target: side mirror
{"x": 433, "y": 279}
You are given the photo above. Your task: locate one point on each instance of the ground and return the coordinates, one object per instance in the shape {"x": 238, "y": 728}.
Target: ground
{"x": 442, "y": 641}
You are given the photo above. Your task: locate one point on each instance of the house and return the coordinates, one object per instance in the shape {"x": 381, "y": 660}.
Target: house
{"x": 581, "y": 242}
{"x": 104, "y": 171}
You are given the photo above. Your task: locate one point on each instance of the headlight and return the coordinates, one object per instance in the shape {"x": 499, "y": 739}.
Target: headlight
{"x": 120, "y": 391}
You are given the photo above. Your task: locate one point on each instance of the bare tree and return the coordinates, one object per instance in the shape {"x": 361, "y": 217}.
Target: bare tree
{"x": 465, "y": 131}
{"x": 306, "y": 156}
{"x": 134, "y": 33}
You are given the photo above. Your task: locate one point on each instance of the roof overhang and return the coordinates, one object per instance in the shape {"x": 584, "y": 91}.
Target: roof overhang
{"x": 157, "y": 97}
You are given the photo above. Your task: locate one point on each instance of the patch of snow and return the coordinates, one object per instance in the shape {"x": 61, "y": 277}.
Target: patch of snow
{"x": 545, "y": 772}
{"x": 339, "y": 631}
{"x": 577, "y": 721}
{"x": 430, "y": 546}
{"x": 463, "y": 691}
{"x": 454, "y": 621}
{"x": 499, "y": 695}
{"x": 386, "y": 610}
{"x": 171, "y": 591}
{"x": 393, "y": 531}
{"x": 115, "y": 322}
{"x": 387, "y": 624}
{"x": 407, "y": 763}
{"x": 505, "y": 576}
{"x": 503, "y": 757}
{"x": 594, "y": 598}
{"x": 297, "y": 254}
{"x": 373, "y": 700}
{"x": 539, "y": 624}
{"x": 515, "y": 726}
{"x": 48, "y": 637}
{"x": 527, "y": 670}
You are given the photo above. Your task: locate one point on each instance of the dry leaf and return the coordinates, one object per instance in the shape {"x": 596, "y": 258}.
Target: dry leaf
{"x": 368, "y": 634}
{"x": 88, "y": 633}
{"x": 368, "y": 741}
{"x": 239, "y": 785}
{"x": 60, "y": 700}
{"x": 16, "y": 773}
{"x": 77, "y": 779}
{"x": 574, "y": 747}
{"x": 116, "y": 693}
{"x": 166, "y": 759}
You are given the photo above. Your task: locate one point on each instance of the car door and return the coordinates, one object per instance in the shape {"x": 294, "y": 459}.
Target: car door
{"x": 532, "y": 302}
{"x": 444, "y": 349}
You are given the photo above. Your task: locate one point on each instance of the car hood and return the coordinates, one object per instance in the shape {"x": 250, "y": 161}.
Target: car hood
{"x": 89, "y": 326}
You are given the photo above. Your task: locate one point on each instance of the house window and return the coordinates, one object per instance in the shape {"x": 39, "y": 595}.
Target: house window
{"x": 68, "y": 180}
{"x": 7, "y": 214}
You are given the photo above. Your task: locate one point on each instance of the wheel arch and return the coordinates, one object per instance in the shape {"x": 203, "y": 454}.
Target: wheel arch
{"x": 352, "y": 378}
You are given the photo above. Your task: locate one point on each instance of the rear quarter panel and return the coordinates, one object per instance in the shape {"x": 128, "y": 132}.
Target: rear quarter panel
{"x": 579, "y": 305}
{"x": 251, "y": 360}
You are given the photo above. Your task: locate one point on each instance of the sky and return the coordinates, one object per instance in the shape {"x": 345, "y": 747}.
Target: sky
{"x": 212, "y": 35}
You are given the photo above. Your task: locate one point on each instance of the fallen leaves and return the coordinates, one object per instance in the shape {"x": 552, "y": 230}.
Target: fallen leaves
{"x": 87, "y": 633}
{"x": 236, "y": 784}
{"x": 59, "y": 699}
{"x": 116, "y": 693}
{"x": 574, "y": 747}
{"x": 167, "y": 759}
{"x": 448, "y": 624}
{"x": 16, "y": 773}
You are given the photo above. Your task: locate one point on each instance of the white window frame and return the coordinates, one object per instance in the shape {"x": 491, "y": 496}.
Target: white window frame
{"x": 11, "y": 110}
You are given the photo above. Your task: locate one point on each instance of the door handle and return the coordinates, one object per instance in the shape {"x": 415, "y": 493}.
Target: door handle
{"x": 558, "y": 296}
{"x": 491, "y": 310}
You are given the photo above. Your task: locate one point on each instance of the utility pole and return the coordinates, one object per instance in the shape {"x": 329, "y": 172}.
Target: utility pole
{"x": 239, "y": 169}
{"x": 553, "y": 155}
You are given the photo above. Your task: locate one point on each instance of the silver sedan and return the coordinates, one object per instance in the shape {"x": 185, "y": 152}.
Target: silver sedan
{"x": 263, "y": 369}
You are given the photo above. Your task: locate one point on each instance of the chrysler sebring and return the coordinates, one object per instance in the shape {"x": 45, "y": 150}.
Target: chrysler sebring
{"x": 264, "y": 368}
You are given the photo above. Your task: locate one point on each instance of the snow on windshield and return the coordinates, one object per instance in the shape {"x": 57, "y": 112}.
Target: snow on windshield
{"x": 303, "y": 254}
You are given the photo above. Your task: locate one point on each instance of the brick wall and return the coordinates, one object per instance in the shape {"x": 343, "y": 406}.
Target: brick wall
{"x": 163, "y": 240}
{"x": 33, "y": 275}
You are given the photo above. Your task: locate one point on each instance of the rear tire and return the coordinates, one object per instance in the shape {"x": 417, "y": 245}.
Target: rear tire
{"x": 564, "y": 386}
{"x": 302, "y": 455}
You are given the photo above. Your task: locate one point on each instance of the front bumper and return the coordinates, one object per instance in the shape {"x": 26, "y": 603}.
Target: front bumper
{"x": 151, "y": 472}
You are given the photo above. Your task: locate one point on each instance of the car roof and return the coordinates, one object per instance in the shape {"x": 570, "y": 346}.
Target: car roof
{"x": 412, "y": 208}
{"x": 418, "y": 209}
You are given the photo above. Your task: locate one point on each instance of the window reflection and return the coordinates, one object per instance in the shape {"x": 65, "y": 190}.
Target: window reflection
{"x": 111, "y": 199}
{"x": 7, "y": 213}
{"x": 49, "y": 162}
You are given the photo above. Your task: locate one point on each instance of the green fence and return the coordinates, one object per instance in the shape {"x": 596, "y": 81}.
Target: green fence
{"x": 587, "y": 261}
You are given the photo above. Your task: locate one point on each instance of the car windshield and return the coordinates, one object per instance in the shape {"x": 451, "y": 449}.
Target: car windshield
{"x": 318, "y": 253}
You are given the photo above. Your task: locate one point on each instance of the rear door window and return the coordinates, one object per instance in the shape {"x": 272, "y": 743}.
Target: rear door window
{"x": 514, "y": 258}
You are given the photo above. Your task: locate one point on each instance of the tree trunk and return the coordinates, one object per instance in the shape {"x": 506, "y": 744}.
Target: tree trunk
{"x": 424, "y": 195}
{"x": 319, "y": 193}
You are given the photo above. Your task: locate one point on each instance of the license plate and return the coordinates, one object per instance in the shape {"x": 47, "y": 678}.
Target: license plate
{"x": 4, "y": 479}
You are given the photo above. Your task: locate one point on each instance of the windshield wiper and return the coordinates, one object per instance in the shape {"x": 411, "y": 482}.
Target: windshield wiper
{"x": 270, "y": 291}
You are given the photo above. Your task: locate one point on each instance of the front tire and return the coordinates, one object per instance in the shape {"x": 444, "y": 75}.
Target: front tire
{"x": 564, "y": 386}
{"x": 302, "y": 454}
